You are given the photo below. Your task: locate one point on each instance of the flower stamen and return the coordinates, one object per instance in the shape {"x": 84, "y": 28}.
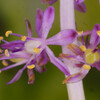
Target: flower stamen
{"x": 31, "y": 66}
{"x": 86, "y": 67}
{"x": 80, "y": 32}
{"x": 1, "y": 38}
{"x": 4, "y": 63}
{"x": 8, "y": 33}
{"x": 36, "y": 50}
{"x": 98, "y": 33}
{"x": 23, "y": 38}
{"x": 83, "y": 48}
{"x": 6, "y": 53}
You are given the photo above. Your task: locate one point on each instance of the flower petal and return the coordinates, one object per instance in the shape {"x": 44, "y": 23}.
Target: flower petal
{"x": 14, "y": 65}
{"x": 42, "y": 59}
{"x": 31, "y": 76}
{"x": 97, "y": 65}
{"x": 39, "y": 21}
{"x": 29, "y": 29}
{"x": 13, "y": 45}
{"x": 95, "y": 38}
{"x": 49, "y": 1}
{"x": 79, "y": 1}
{"x": 80, "y": 7}
{"x": 63, "y": 38}
{"x": 76, "y": 77}
{"x": 48, "y": 20}
{"x": 57, "y": 62}
{"x": 16, "y": 77}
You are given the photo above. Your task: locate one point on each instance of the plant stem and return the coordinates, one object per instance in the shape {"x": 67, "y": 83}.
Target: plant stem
{"x": 67, "y": 21}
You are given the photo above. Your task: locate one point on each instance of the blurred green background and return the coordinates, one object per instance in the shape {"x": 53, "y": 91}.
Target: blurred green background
{"x": 48, "y": 85}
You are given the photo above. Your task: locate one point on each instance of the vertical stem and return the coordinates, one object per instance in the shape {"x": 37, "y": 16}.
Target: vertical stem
{"x": 67, "y": 21}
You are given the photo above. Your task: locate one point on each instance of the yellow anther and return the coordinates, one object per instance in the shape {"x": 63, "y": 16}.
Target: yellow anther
{"x": 1, "y": 38}
{"x": 80, "y": 32}
{"x": 4, "y": 63}
{"x": 23, "y": 38}
{"x": 7, "y": 33}
{"x": 36, "y": 50}
{"x": 6, "y": 53}
{"x": 31, "y": 66}
{"x": 83, "y": 48}
{"x": 59, "y": 34}
{"x": 86, "y": 67}
{"x": 0, "y": 71}
{"x": 98, "y": 32}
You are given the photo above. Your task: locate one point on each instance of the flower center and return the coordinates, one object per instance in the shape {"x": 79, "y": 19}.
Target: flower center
{"x": 32, "y": 46}
{"x": 91, "y": 57}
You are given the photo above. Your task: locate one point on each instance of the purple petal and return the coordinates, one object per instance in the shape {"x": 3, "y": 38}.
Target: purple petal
{"x": 16, "y": 77}
{"x": 57, "y": 62}
{"x": 49, "y": 1}
{"x": 79, "y": 1}
{"x": 29, "y": 29}
{"x": 31, "y": 76}
{"x": 80, "y": 7}
{"x": 39, "y": 21}
{"x": 76, "y": 77}
{"x": 14, "y": 65}
{"x": 13, "y": 45}
{"x": 42, "y": 59}
{"x": 63, "y": 38}
{"x": 48, "y": 20}
{"x": 94, "y": 40}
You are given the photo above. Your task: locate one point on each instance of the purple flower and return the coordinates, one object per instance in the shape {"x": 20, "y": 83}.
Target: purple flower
{"x": 86, "y": 55}
{"x": 33, "y": 51}
{"x": 79, "y": 5}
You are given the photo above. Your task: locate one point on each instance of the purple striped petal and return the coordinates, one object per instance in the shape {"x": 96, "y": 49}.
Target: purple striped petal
{"x": 57, "y": 62}
{"x": 16, "y": 77}
{"x": 63, "y": 38}
{"x": 76, "y": 77}
{"x": 79, "y": 1}
{"x": 48, "y": 20}
{"x": 31, "y": 76}
{"x": 94, "y": 40}
{"x": 49, "y": 1}
{"x": 29, "y": 29}
{"x": 13, "y": 45}
{"x": 39, "y": 21}
{"x": 40, "y": 69}
{"x": 80, "y": 7}
{"x": 42, "y": 59}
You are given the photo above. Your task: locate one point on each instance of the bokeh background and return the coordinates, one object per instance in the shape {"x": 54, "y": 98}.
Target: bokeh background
{"x": 47, "y": 86}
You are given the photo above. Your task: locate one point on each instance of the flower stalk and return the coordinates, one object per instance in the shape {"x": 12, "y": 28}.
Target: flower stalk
{"x": 67, "y": 21}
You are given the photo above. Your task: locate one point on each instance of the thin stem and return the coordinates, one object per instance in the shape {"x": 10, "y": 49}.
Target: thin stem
{"x": 67, "y": 21}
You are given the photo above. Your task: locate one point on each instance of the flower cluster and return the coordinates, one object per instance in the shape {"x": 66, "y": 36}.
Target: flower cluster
{"x": 86, "y": 55}
{"x": 33, "y": 51}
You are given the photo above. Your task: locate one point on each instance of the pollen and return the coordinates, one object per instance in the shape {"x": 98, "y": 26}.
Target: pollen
{"x": 4, "y": 63}
{"x": 83, "y": 48}
{"x": 23, "y": 38}
{"x": 80, "y": 32}
{"x": 98, "y": 32}
{"x": 8, "y": 33}
{"x": 36, "y": 50}
{"x": 86, "y": 67}
{"x": 1, "y": 38}
{"x": 59, "y": 34}
{"x": 31, "y": 66}
{"x": 6, "y": 53}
